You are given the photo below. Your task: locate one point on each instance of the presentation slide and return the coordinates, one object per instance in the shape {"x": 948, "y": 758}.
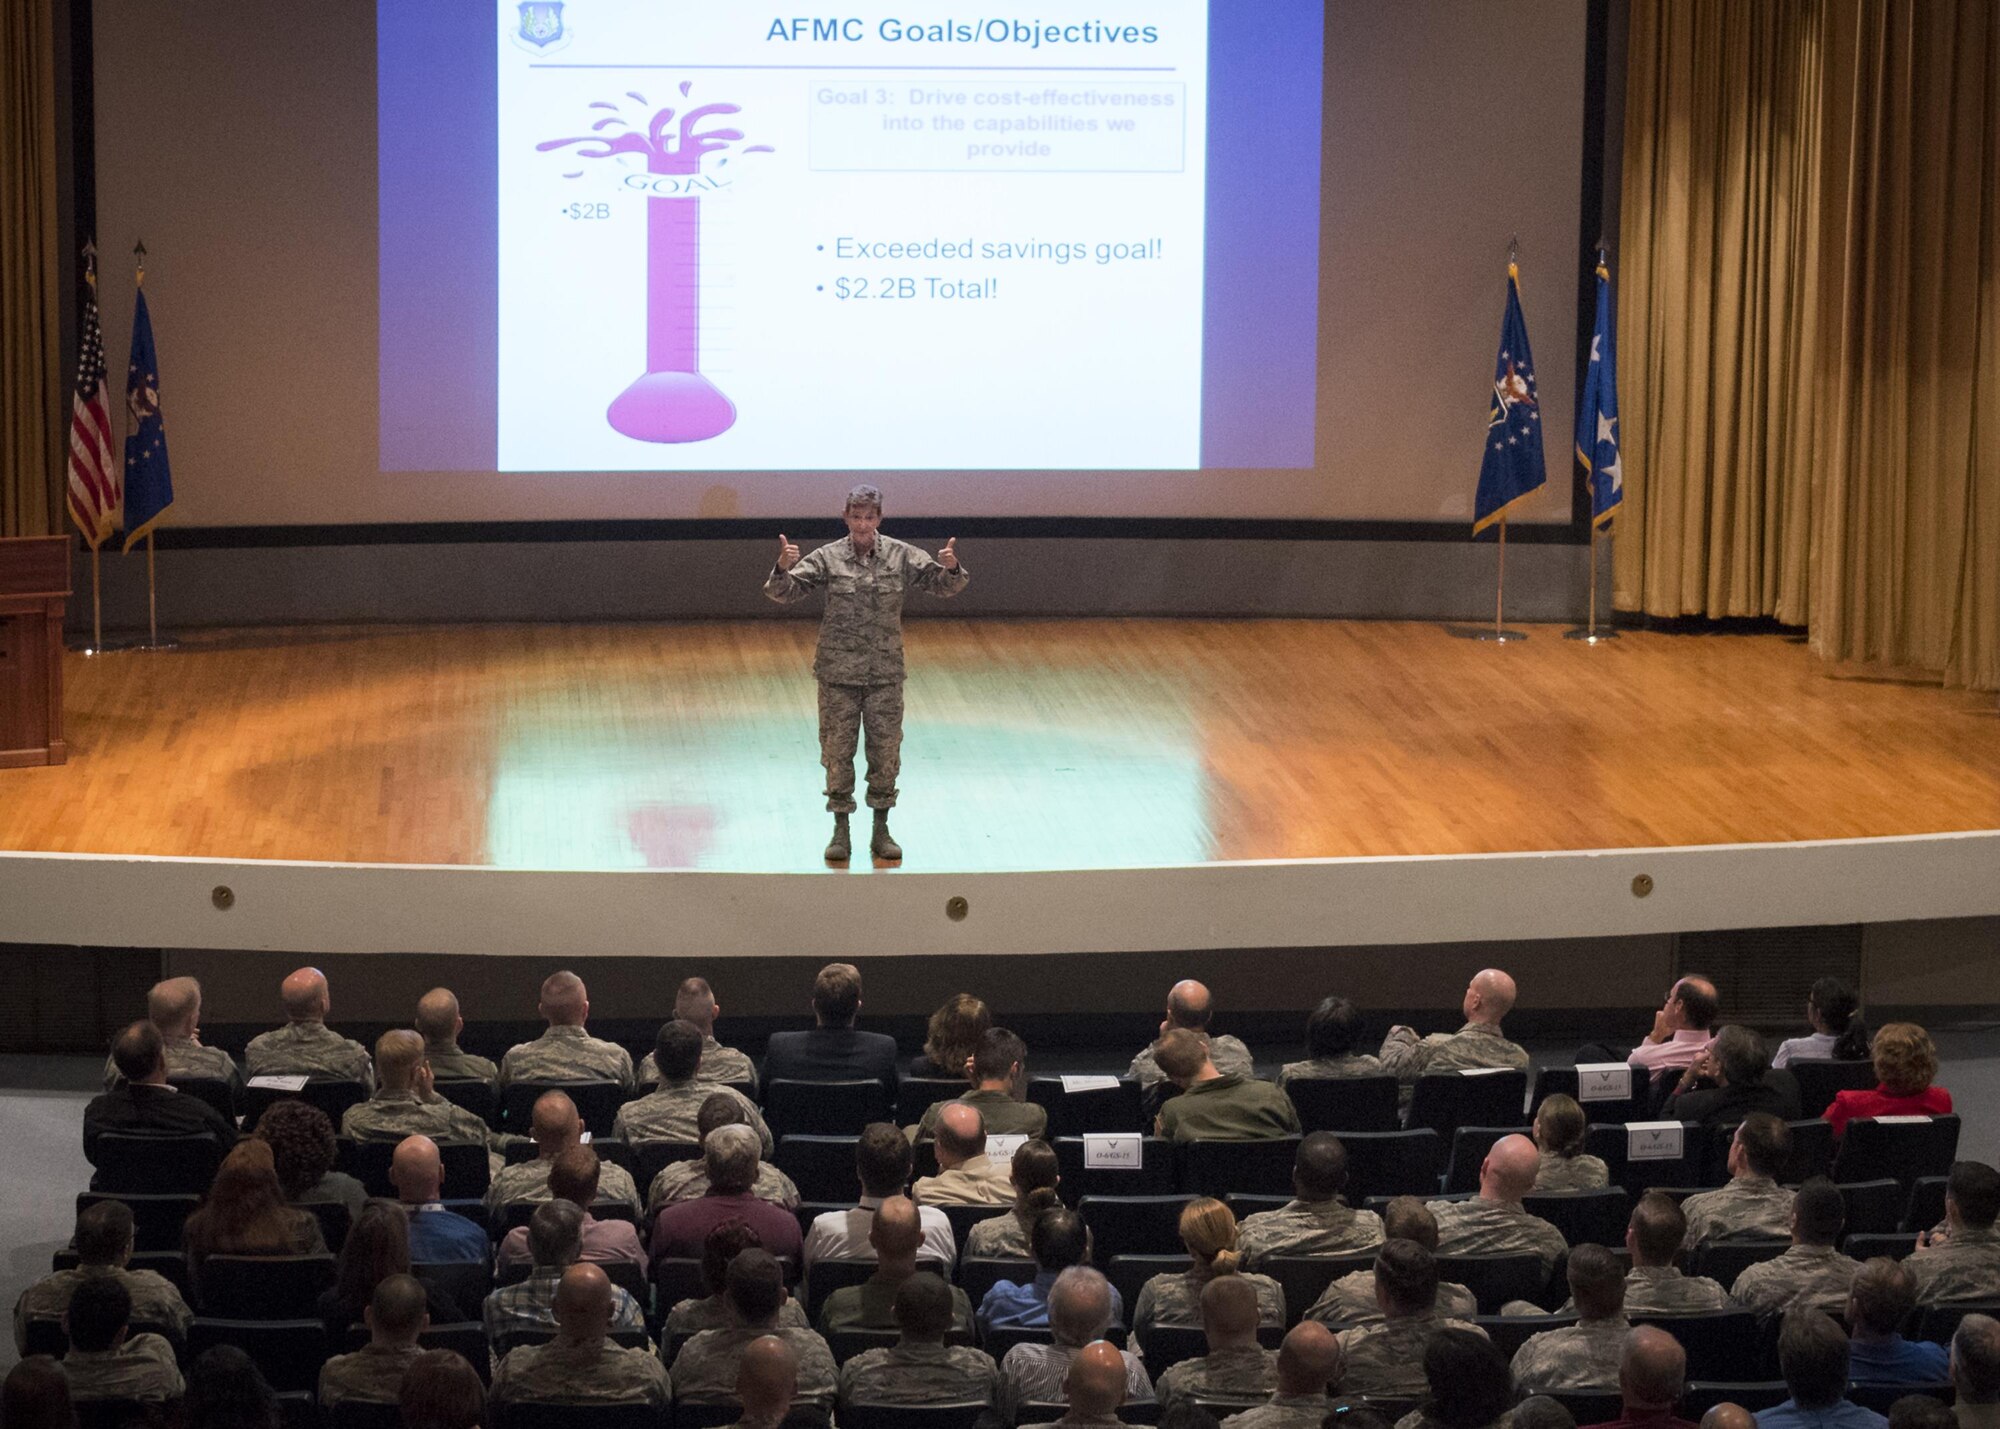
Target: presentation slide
{"x": 1065, "y": 236}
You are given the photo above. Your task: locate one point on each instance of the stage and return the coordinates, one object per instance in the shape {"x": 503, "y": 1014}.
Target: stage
{"x": 1328, "y": 780}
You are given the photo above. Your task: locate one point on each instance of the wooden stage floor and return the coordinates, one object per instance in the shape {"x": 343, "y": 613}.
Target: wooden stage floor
{"x": 1076, "y": 744}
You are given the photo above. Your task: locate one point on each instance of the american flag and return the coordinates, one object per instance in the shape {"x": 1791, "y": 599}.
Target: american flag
{"x": 94, "y": 478}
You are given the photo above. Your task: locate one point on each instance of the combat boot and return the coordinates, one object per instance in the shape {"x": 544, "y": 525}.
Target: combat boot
{"x": 881, "y": 845}
{"x": 837, "y": 850}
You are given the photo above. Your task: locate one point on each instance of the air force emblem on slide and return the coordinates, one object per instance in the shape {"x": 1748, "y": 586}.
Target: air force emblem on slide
{"x": 541, "y": 28}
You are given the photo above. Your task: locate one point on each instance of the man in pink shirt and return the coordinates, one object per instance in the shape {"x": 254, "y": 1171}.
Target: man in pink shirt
{"x": 573, "y": 1177}
{"x": 1682, "y": 1030}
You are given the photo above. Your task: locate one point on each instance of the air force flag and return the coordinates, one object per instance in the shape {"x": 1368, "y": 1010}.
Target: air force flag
{"x": 149, "y": 480}
{"x": 1597, "y": 412}
{"x": 1511, "y": 468}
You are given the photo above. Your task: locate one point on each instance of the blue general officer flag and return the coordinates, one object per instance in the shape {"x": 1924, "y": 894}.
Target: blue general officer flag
{"x": 149, "y": 480}
{"x": 1511, "y": 468}
{"x": 1597, "y": 413}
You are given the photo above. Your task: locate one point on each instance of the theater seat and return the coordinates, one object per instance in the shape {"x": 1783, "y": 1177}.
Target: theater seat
{"x": 1344, "y": 1104}
{"x": 912, "y": 1416}
{"x": 273, "y": 1287}
{"x": 332, "y": 1095}
{"x": 1393, "y": 1163}
{"x": 1215, "y": 1168}
{"x": 824, "y": 1108}
{"x": 1445, "y": 1101}
{"x": 155, "y": 1165}
{"x": 1906, "y": 1150}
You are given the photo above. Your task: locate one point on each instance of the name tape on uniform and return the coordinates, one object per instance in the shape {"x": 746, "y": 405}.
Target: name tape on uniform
{"x": 1603, "y": 1081}
{"x": 1112, "y": 1151}
{"x": 1653, "y": 1140}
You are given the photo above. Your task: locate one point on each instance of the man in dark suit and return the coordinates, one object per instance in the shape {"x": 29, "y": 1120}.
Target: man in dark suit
{"x": 1732, "y": 1080}
{"x": 145, "y": 1103}
{"x": 832, "y": 1051}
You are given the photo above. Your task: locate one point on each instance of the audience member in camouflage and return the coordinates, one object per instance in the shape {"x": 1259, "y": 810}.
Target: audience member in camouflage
{"x": 555, "y": 1127}
{"x": 1559, "y": 1131}
{"x": 102, "y": 1362}
{"x": 1495, "y": 1223}
{"x": 1753, "y": 1204}
{"x": 1208, "y": 1231}
{"x": 920, "y": 1368}
{"x": 1961, "y": 1259}
{"x": 580, "y": 1365}
{"x": 688, "y": 1181}
{"x": 1309, "y": 1363}
{"x": 440, "y": 1025}
{"x": 1583, "y": 1357}
{"x": 1479, "y": 1043}
{"x": 695, "y": 1003}
{"x": 1385, "y": 1359}
{"x": 671, "y": 1112}
{"x": 1812, "y": 1275}
{"x": 406, "y": 1104}
{"x": 374, "y": 1373}
{"x": 1080, "y": 1311}
{"x": 1189, "y": 1005}
{"x": 174, "y": 1006}
{"x": 1316, "y": 1221}
{"x": 1333, "y": 1041}
{"x": 711, "y": 1312}
{"x": 104, "y": 1249}
{"x": 1655, "y": 1284}
{"x": 895, "y": 1237}
{"x": 1236, "y": 1367}
{"x": 566, "y": 1053}
{"x": 1094, "y": 1388}
{"x": 1350, "y": 1300}
{"x": 305, "y": 1045}
{"x": 555, "y": 1243}
{"x": 754, "y": 1288}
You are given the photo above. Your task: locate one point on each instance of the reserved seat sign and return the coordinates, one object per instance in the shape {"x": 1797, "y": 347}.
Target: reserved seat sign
{"x": 1112, "y": 1151}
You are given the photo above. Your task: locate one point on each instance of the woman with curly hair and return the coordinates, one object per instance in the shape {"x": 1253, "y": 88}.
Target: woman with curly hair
{"x": 1905, "y": 1062}
{"x": 1208, "y": 1230}
{"x": 302, "y": 1151}
{"x": 952, "y": 1037}
{"x": 245, "y": 1212}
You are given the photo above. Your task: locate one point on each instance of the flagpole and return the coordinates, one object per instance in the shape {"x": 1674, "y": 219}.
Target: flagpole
{"x": 1500, "y": 586}
{"x": 1590, "y": 634}
{"x": 96, "y": 609}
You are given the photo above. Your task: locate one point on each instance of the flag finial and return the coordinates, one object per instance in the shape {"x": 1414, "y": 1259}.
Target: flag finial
{"x": 1513, "y": 249}
{"x": 139, "y": 260}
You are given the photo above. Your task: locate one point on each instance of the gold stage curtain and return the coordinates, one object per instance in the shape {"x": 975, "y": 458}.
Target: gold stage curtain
{"x": 30, "y": 385}
{"x": 1810, "y": 324}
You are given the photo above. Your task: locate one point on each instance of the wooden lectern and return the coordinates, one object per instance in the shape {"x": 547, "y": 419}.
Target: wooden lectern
{"x": 34, "y": 586}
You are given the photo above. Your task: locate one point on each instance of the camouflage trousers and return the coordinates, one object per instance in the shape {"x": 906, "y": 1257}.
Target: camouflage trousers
{"x": 845, "y": 713}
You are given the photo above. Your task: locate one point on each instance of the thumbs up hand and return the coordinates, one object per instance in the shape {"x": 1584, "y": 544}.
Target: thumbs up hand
{"x": 948, "y": 558}
{"x": 788, "y": 554}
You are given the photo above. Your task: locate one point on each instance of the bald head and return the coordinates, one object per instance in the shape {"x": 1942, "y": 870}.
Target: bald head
{"x": 1489, "y": 997}
{"x": 174, "y": 1006}
{"x": 398, "y": 1311}
{"x": 565, "y": 1002}
{"x": 896, "y": 1234}
{"x": 304, "y": 994}
{"x": 1096, "y": 1379}
{"x": 1728, "y": 1416}
{"x": 961, "y": 1134}
{"x": 1229, "y": 1312}
{"x": 1652, "y": 1371}
{"x": 1508, "y": 1172}
{"x": 438, "y": 1017}
{"x": 767, "y": 1379}
{"x": 555, "y": 1125}
{"x": 1309, "y": 1360}
{"x": 398, "y": 1054}
{"x": 1189, "y": 1005}
{"x": 1079, "y": 1305}
{"x": 583, "y": 1303}
{"x": 416, "y": 1170}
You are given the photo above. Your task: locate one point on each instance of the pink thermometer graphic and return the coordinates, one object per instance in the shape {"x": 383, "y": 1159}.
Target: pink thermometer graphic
{"x": 671, "y": 401}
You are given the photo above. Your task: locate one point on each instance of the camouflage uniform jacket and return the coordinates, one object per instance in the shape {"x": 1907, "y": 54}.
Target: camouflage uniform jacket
{"x": 1358, "y": 1064}
{"x": 1230, "y": 1056}
{"x": 600, "y": 1373}
{"x": 1572, "y": 1173}
{"x": 1477, "y": 1044}
{"x": 689, "y": 1317}
{"x": 718, "y": 1064}
{"x": 530, "y": 1305}
{"x": 861, "y": 630}
{"x": 908, "y": 1373}
{"x": 391, "y": 1116}
{"x": 1248, "y": 1373}
{"x": 671, "y": 1113}
{"x": 1965, "y": 1267}
{"x": 1386, "y": 1359}
{"x": 311, "y": 1048}
{"x": 1175, "y": 1299}
{"x": 1749, "y": 1206}
{"x": 373, "y": 1374}
{"x": 448, "y": 1064}
{"x": 141, "y": 1368}
{"x": 1286, "y": 1411}
{"x": 529, "y": 1182}
{"x": 1000, "y": 1113}
{"x": 688, "y": 1181}
{"x": 1482, "y": 1227}
{"x": 1307, "y": 1228}
{"x": 1350, "y": 1300}
{"x": 1581, "y": 1358}
{"x": 185, "y": 1058}
{"x": 1035, "y": 1374}
{"x": 1663, "y": 1290}
{"x": 998, "y": 1238}
{"x": 1807, "y": 1276}
{"x": 567, "y": 1054}
{"x": 705, "y": 1369}
{"x": 155, "y": 1300}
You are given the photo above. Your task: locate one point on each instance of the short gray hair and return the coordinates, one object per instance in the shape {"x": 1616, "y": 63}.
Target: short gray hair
{"x": 555, "y": 1233}
{"x": 864, "y": 495}
{"x": 1079, "y": 1305}
{"x": 731, "y": 1154}
{"x": 1975, "y": 1359}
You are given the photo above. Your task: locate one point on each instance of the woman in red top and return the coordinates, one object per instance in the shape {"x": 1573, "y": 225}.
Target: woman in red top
{"x": 1905, "y": 1061}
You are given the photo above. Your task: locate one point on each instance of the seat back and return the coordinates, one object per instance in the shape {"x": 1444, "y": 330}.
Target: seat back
{"x": 824, "y": 1108}
{"x": 157, "y": 1219}
{"x": 524, "y": 1414}
{"x": 466, "y": 1337}
{"x": 1445, "y": 1101}
{"x": 1724, "y": 1260}
{"x": 1811, "y": 1151}
{"x": 1155, "y": 1175}
{"x": 1305, "y": 1277}
{"x": 676, "y": 1278}
{"x": 1754, "y": 1395}
{"x": 597, "y": 1102}
{"x": 917, "y": 1095}
{"x": 288, "y": 1351}
{"x": 1876, "y": 1147}
{"x": 1590, "y": 1406}
{"x": 1820, "y": 1081}
{"x": 1869, "y": 1244}
{"x": 335, "y": 1221}
{"x": 1551, "y": 1080}
{"x": 1584, "y": 1217}
{"x": 1469, "y": 1145}
{"x": 1215, "y": 1168}
{"x": 1496, "y": 1279}
{"x": 910, "y": 1416}
{"x": 1344, "y": 1104}
{"x": 822, "y": 1167}
{"x": 1133, "y": 1225}
{"x": 116, "y": 1414}
{"x": 218, "y": 1092}
{"x": 1926, "y": 1206}
{"x": 476, "y": 1096}
{"x": 332, "y": 1095}
{"x": 1939, "y": 1322}
{"x": 977, "y": 1275}
{"x": 1116, "y": 1108}
{"x": 964, "y": 1218}
{"x": 650, "y": 1158}
{"x": 366, "y": 1414}
{"x": 1609, "y": 1142}
{"x": 1393, "y": 1163}
{"x": 1720, "y": 1345}
{"x": 272, "y": 1287}
{"x": 1873, "y": 1207}
{"x": 465, "y": 1283}
{"x": 1881, "y": 1397}
{"x": 155, "y": 1165}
